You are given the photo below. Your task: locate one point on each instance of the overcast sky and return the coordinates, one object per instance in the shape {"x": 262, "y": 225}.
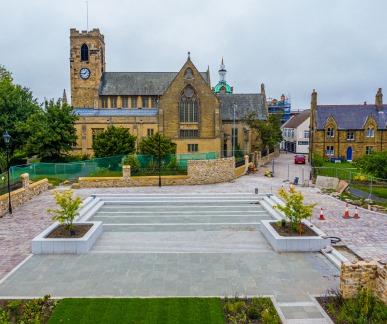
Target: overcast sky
{"x": 338, "y": 47}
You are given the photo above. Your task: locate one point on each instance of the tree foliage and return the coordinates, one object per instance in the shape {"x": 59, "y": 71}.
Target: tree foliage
{"x": 268, "y": 131}
{"x": 150, "y": 145}
{"x": 114, "y": 141}
{"x": 3, "y": 162}
{"x": 68, "y": 208}
{"x": 294, "y": 209}
{"x": 51, "y": 131}
{"x": 16, "y": 106}
{"x": 374, "y": 164}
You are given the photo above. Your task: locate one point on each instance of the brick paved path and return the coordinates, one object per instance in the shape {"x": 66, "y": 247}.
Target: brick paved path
{"x": 365, "y": 236}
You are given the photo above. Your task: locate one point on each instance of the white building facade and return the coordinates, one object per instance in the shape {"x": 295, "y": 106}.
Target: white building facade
{"x": 295, "y": 133}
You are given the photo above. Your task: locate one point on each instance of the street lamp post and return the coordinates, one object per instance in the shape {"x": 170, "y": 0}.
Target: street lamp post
{"x": 7, "y": 138}
{"x": 159, "y": 160}
{"x": 233, "y": 133}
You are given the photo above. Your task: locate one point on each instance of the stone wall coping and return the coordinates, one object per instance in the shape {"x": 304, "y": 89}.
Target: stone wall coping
{"x": 37, "y": 183}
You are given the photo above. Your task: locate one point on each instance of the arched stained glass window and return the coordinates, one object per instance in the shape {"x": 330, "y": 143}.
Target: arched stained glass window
{"x": 84, "y": 52}
{"x": 189, "y": 106}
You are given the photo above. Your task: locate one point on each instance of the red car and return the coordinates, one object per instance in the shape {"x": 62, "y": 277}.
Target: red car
{"x": 299, "y": 159}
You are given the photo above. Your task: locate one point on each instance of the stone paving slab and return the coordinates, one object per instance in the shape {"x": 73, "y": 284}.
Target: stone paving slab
{"x": 173, "y": 274}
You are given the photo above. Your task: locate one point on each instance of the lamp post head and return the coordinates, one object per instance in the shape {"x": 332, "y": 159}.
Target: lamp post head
{"x": 6, "y": 137}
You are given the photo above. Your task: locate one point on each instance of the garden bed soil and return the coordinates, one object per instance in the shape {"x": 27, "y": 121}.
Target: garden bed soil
{"x": 324, "y": 302}
{"x": 28, "y": 310}
{"x": 257, "y": 310}
{"x": 79, "y": 230}
{"x": 287, "y": 231}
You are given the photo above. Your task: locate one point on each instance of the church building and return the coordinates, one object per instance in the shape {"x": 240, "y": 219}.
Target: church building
{"x": 181, "y": 105}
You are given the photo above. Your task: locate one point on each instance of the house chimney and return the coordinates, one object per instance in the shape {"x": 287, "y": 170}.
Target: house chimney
{"x": 379, "y": 99}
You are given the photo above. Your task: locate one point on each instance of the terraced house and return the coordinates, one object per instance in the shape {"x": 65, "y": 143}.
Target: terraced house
{"x": 348, "y": 131}
{"x": 181, "y": 105}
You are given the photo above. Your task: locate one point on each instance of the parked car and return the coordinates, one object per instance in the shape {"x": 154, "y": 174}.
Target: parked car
{"x": 299, "y": 159}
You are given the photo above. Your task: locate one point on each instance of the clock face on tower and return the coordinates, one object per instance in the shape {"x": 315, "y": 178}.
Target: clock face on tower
{"x": 84, "y": 73}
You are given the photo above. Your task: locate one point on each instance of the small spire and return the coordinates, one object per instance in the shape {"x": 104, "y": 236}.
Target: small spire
{"x": 189, "y": 55}
{"x": 64, "y": 97}
{"x": 222, "y": 61}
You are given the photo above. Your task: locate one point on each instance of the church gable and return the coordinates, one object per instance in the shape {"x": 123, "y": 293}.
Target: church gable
{"x": 189, "y": 105}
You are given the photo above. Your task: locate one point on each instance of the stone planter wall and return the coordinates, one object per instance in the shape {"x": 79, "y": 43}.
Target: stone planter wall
{"x": 372, "y": 275}
{"x": 292, "y": 243}
{"x": 42, "y": 245}
{"x": 198, "y": 172}
{"x": 20, "y": 196}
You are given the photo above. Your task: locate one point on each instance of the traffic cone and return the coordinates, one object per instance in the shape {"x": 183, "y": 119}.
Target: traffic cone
{"x": 346, "y": 213}
{"x": 356, "y": 215}
{"x": 321, "y": 215}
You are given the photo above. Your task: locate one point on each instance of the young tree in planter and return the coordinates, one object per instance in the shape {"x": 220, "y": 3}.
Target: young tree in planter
{"x": 114, "y": 141}
{"x": 150, "y": 145}
{"x": 295, "y": 210}
{"x": 68, "y": 209}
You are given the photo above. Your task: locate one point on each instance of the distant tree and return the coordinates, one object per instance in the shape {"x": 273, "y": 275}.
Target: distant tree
{"x": 150, "y": 145}
{"x": 374, "y": 164}
{"x": 16, "y": 106}
{"x": 51, "y": 131}
{"x": 114, "y": 141}
{"x": 3, "y": 162}
{"x": 268, "y": 131}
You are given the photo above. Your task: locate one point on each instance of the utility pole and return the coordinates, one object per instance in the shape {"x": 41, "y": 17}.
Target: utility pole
{"x": 233, "y": 130}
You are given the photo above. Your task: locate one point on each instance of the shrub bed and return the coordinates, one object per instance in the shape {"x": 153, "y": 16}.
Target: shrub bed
{"x": 365, "y": 308}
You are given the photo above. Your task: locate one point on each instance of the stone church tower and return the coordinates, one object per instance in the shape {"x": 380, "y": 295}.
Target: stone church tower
{"x": 87, "y": 64}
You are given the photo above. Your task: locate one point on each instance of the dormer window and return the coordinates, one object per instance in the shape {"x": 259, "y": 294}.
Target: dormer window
{"x": 84, "y": 52}
{"x": 330, "y": 132}
{"x": 370, "y": 132}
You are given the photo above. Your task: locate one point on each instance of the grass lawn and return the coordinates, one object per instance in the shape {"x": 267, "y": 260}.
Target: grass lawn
{"x": 343, "y": 170}
{"x": 377, "y": 191}
{"x": 136, "y": 310}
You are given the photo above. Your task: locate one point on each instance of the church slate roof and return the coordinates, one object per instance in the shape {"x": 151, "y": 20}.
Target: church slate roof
{"x": 350, "y": 116}
{"x": 245, "y": 104}
{"x": 131, "y": 112}
{"x": 138, "y": 83}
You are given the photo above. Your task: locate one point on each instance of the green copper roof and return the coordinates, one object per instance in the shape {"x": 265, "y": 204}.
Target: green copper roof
{"x": 222, "y": 85}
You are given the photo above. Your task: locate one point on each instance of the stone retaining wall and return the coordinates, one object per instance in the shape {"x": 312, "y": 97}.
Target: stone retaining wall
{"x": 20, "y": 196}
{"x": 198, "y": 172}
{"x": 372, "y": 275}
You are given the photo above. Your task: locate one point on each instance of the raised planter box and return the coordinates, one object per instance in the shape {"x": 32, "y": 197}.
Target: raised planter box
{"x": 42, "y": 245}
{"x": 293, "y": 243}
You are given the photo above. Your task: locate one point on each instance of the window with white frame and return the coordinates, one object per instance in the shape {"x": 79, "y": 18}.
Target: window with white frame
{"x": 330, "y": 150}
{"x": 303, "y": 142}
{"x": 193, "y": 147}
{"x": 330, "y": 132}
{"x": 306, "y": 134}
{"x": 370, "y": 132}
{"x": 350, "y": 136}
{"x": 369, "y": 150}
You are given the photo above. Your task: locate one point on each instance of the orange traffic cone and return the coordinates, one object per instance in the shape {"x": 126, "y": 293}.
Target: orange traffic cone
{"x": 321, "y": 215}
{"x": 346, "y": 213}
{"x": 356, "y": 215}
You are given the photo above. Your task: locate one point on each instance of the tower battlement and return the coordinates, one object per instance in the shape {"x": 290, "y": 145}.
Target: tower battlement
{"x": 91, "y": 33}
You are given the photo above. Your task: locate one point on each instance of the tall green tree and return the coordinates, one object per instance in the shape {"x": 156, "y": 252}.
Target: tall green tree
{"x": 16, "y": 106}
{"x": 150, "y": 145}
{"x": 268, "y": 131}
{"x": 51, "y": 131}
{"x": 114, "y": 141}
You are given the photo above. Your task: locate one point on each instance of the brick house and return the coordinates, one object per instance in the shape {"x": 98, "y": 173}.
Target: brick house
{"x": 348, "y": 131}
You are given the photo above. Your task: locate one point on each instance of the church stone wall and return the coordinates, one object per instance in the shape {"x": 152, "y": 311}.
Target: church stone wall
{"x": 209, "y": 113}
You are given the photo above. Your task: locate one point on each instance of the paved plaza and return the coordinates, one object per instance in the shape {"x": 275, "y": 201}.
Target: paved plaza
{"x": 186, "y": 248}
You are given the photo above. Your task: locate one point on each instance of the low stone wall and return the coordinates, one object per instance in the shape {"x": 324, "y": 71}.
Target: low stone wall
{"x": 372, "y": 275}
{"x": 198, "y": 172}
{"x": 20, "y": 196}
{"x": 259, "y": 160}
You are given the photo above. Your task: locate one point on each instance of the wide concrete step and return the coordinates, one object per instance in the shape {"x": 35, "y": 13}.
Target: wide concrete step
{"x": 179, "y": 219}
{"x": 179, "y": 227}
{"x": 180, "y": 242}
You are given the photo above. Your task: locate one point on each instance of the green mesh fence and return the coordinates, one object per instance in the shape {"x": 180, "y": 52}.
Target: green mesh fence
{"x": 14, "y": 183}
{"x": 71, "y": 170}
{"x": 109, "y": 166}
